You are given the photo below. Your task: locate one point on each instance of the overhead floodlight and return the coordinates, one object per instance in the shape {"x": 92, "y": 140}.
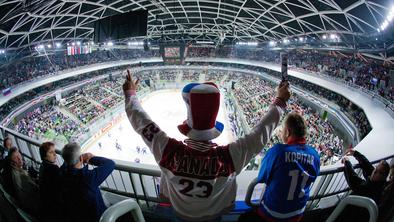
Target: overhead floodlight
{"x": 324, "y": 36}
{"x": 58, "y": 45}
{"x": 286, "y": 41}
{"x": 41, "y": 47}
{"x": 110, "y": 43}
{"x": 2, "y": 51}
{"x": 301, "y": 39}
{"x": 333, "y": 36}
{"x": 204, "y": 42}
{"x": 247, "y": 43}
{"x": 78, "y": 43}
{"x": 73, "y": 43}
{"x": 272, "y": 43}
{"x": 49, "y": 46}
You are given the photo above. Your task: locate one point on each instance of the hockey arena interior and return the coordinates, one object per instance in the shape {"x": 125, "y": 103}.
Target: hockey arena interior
{"x": 94, "y": 95}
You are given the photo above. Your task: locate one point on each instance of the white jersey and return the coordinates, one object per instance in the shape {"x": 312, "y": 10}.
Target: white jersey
{"x": 199, "y": 177}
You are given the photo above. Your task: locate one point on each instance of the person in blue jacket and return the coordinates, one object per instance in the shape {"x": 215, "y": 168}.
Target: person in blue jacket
{"x": 288, "y": 170}
{"x": 80, "y": 185}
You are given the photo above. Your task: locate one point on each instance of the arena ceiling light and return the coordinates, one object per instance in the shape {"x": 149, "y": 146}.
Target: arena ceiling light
{"x": 49, "y": 46}
{"x": 58, "y": 45}
{"x": 247, "y": 43}
{"x": 135, "y": 43}
{"x": 110, "y": 43}
{"x": 272, "y": 43}
{"x": 205, "y": 42}
{"x": 2, "y": 51}
{"x": 387, "y": 21}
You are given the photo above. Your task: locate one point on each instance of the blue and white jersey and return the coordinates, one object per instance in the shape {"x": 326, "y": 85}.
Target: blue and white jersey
{"x": 288, "y": 171}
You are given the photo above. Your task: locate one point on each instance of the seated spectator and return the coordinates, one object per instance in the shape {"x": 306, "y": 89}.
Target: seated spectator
{"x": 49, "y": 181}
{"x": 19, "y": 184}
{"x": 80, "y": 186}
{"x": 371, "y": 186}
{"x": 288, "y": 170}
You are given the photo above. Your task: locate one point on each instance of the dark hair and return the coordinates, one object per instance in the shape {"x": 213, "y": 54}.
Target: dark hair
{"x": 44, "y": 148}
{"x": 10, "y": 152}
{"x": 5, "y": 140}
{"x": 296, "y": 124}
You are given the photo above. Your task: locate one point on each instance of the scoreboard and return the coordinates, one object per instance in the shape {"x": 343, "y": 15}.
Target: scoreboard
{"x": 173, "y": 54}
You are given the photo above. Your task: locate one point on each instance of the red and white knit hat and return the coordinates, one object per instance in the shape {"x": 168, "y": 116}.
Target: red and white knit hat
{"x": 202, "y": 103}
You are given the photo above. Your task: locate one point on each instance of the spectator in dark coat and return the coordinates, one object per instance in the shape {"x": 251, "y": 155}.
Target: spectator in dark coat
{"x": 371, "y": 186}
{"x": 49, "y": 181}
{"x": 80, "y": 186}
{"x": 19, "y": 184}
{"x": 374, "y": 178}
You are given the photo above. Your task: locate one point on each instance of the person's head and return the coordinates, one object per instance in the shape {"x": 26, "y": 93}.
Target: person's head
{"x": 202, "y": 102}
{"x": 7, "y": 143}
{"x": 15, "y": 158}
{"x": 48, "y": 152}
{"x": 294, "y": 125}
{"x": 329, "y": 152}
{"x": 380, "y": 172}
{"x": 71, "y": 154}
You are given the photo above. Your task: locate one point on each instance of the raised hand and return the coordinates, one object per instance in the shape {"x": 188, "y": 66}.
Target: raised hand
{"x": 344, "y": 159}
{"x": 283, "y": 91}
{"x": 130, "y": 84}
{"x": 350, "y": 152}
{"x": 86, "y": 157}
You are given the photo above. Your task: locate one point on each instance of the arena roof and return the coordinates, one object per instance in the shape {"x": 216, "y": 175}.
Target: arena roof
{"x": 26, "y": 22}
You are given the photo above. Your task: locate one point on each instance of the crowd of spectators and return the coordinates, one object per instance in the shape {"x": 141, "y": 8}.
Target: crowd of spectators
{"x": 191, "y": 75}
{"x": 62, "y": 193}
{"x": 168, "y": 75}
{"x": 253, "y": 95}
{"x": 32, "y": 67}
{"x": 45, "y": 120}
{"x": 368, "y": 73}
{"x": 105, "y": 97}
{"x": 82, "y": 108}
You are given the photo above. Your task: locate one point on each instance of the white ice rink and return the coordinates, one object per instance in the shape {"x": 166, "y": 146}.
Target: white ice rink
{"x": 167, "y": 109}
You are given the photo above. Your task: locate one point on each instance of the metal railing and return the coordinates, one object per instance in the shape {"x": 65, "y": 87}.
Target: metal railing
{"x": 141, "y": 182}
{"x": 329, "y": 184}
{"x": 359, "y": 201}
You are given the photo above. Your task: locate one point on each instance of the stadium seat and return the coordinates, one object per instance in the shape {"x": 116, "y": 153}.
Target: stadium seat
{"x": 121, "y": 208}
{"x": 359, "y": 201}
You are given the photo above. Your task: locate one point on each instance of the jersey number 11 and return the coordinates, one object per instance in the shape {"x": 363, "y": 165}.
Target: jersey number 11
{"x": 295, "y": 175}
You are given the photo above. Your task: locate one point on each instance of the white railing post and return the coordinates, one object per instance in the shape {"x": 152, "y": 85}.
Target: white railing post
{"x": 359, "y": 201}
{"x": 121, "y": 208}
